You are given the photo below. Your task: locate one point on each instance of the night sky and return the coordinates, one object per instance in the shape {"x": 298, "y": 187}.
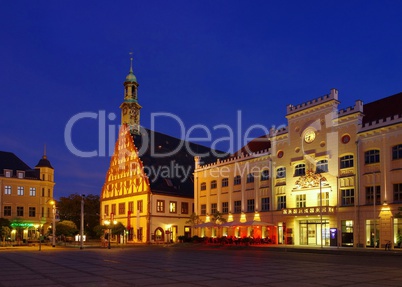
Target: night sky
{"x": 211, "y": 64}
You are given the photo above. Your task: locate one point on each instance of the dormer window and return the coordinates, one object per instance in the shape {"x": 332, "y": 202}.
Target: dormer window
{"x": 8, "y": 173}
{"x": 20, "y": 174}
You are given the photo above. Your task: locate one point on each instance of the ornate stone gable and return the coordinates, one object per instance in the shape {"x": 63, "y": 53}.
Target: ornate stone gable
{"x": 310, "y": 180}
{"x": 125, "y": 175}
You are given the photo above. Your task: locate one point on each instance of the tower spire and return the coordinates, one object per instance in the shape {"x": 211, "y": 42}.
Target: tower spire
{"x": 44, "y": 152}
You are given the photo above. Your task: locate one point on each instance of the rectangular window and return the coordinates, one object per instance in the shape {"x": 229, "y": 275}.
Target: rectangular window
{"x": 225, "y": 207}
{"x": 7, "y": 189}
{"x": 7, "y": 210}
{"x": 184, "y": 207}
{"x": 346, "y": 161}
{"x": 265, "y": 204}
{"x": 173, "y": 207}
{"x": 20, "y": 211}
{"x": 397, "y": 151}
{"x": 214, "y": 208}
{"x": 140, "y": 206}
{"x": 203, "y": 209}
{"x": 113, "y": 209}
{"x": 130, "y": 207}
{"x": 281, "y": 202}
{"x": 225, "y": 182}
{"x": 237, "y": 180}
{"x": 325, "y": 199}
{"x": 372, "y": 156}
{"x": 122, "y": 208}
{"x": 250, "y": 178}
{"x": 20, "y": 174}
{"x": 8, "y": 173}
{"x": 32, "y": 212}
{"x": 20, "y": 190}
{"x": 250, "y": 205}
{"x": 301, "y": 200}
{"x": 213, "y": 184}
{"x": 43, "y": 192}
{"x": 237, "y": 206}
{"x": 32, "y": 191}
{"x": 106, "y": 209}
{"x": 348, "y": 197}
{"x": 160, "y": 206}
{"x": 370, "y": 195}
{"x": 398, "y": 192}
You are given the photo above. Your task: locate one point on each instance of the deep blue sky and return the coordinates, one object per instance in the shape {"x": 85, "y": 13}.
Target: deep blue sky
{"x": 202, "y": 61}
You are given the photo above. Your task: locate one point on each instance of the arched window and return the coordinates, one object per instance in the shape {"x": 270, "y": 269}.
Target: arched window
{"x": 203, "y": 186}
{"x": 213, "y": 184}
{"x": 346, "y": 161}
{"x": 397, "y": 151}
{"x": 225, "y": 182}
{"x": 250, "y": 178}
{"x": 265, "y": 175}
{"x": 322, "y": 166}
{"x": 372, "y": 156}
{"x": 281, "y": 172}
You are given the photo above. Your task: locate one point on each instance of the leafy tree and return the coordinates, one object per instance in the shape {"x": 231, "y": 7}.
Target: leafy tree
{"x": 70, "y": 209}
{"x": 217, "y": 216}
{"x": 118, "y": 228}
{"x": 5, "y": 233}
{"x": 67, "y": 228}
{"x": 194, "y": 220}
{"x": 5, "y": 222}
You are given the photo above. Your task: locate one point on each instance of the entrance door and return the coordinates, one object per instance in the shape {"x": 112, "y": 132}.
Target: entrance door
{"x": 303, "y": 234}
{"x": 312, "y": 234}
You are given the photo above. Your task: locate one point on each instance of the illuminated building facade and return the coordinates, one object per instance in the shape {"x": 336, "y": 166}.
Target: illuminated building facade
{"x": 149, "y": 184}
{"x": 26, "y": 196}
{"x": 330, "y": 177}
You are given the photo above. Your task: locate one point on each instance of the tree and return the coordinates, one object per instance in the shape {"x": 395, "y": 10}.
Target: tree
{"x": 217, "y": 216}
{"x": 70, "y": 209}
{"x": 194, "y": 220}
{"x": 5, "y": 233}
{"x": 67, "y": 228}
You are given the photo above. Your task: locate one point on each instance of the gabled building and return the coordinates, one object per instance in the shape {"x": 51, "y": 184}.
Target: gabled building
{"x": 149, "y": 184}
{"x": 329, "y": 177}
{"x": 26, "y": 198}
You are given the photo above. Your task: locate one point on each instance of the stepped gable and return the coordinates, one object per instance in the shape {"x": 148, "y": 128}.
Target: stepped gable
{"x": 9, "y": 160}
{"x": 258, "y": 144}
{"x": 169, "y": 161}
{"x": 383, "y": 108}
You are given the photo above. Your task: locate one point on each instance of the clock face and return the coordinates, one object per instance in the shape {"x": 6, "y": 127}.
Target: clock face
{"x": 309, "y": 136}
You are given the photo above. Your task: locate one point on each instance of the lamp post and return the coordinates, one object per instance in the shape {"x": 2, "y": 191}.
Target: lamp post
{"x": 374, "y": 216}
{"x": 321, "y": 208}
{"x": 54, "y": 225}
{"x": 82, "y": 221}
{"x": 108, "y": 223}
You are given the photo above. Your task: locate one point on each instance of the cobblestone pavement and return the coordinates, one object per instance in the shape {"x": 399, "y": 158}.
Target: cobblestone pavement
{"x": 196, "y": 266}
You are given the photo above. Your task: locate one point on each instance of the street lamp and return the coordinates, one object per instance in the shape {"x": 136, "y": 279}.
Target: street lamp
{"x": 53, "y": 203}
{"x": 82, "y": 221}
{"x": 108, "y": 224}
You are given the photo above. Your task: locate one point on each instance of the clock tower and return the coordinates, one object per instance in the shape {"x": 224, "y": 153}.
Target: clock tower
{"x": 130, "y": 109}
